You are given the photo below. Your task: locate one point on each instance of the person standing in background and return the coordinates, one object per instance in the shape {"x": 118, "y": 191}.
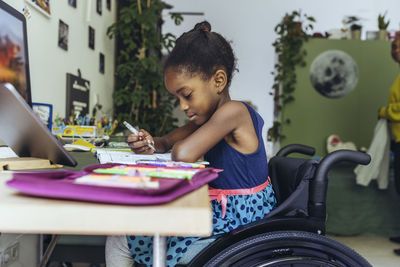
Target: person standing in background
{"x": 392, "y": 113}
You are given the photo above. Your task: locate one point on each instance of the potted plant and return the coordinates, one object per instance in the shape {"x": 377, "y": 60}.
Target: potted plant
{"x": 292, "y": 34}
{"x": 140, "y": 96}
{"x": 355, "y": 27}
{"x": 382, "y": 25}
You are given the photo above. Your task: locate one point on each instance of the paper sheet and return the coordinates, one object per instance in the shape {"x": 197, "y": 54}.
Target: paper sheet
{"x": 123, "y": 157}
{"x": 6, "y": 152}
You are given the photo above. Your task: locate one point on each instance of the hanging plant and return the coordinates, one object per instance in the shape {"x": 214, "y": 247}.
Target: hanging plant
{"x": 140, "y": 96}
{"x": 290, "y": 54}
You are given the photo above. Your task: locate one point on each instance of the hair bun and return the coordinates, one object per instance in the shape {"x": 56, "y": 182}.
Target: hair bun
{"x": 203, "y": 26}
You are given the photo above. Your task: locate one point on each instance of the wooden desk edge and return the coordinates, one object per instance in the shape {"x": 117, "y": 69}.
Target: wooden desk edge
{"x": 189, "y": 215}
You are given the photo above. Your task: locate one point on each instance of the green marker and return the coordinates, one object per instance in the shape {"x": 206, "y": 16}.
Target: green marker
{"x": 111, "y": 171}
{"x": 170, "y": 175}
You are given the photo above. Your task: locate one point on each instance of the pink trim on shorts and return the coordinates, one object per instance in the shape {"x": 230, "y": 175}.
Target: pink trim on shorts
{"x": 220, "y": 194}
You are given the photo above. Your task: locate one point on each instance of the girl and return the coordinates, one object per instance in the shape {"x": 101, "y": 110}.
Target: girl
{"x": 227, "y": 133}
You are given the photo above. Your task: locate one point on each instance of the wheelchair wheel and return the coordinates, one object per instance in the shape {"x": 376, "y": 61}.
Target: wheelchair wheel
{"x": 289, "y": 248}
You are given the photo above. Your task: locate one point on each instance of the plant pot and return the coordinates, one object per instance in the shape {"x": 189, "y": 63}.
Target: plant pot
{"x": 382, "y": 35}
{"x": 356, "y": 35}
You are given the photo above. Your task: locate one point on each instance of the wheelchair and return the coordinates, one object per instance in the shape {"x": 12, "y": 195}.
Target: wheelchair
{"x": 293, "y": 233}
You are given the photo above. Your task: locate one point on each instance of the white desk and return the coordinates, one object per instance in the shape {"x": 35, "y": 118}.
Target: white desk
{"x": 189, "y": 215}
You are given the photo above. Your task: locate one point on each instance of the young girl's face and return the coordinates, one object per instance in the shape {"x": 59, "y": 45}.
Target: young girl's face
{"x": 198, "y": 98}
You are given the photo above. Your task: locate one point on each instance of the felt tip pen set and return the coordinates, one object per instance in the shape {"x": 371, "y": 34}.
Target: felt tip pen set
{"x": 122, "y": 181}
{"x": 155, "y": 172}
{"x": 135, "y": 176}
{"x": 74, "y": 130}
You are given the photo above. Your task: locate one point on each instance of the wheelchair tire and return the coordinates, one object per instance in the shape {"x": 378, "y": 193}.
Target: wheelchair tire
{"x": 288, "y": 248}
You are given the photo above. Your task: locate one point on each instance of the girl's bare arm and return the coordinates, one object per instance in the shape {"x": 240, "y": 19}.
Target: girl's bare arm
{"x": 165, "y": 143}
{"x": 228, "y": 119}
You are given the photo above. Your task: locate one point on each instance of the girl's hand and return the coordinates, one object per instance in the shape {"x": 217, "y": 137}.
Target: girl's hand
{"x": 140, "y": 143}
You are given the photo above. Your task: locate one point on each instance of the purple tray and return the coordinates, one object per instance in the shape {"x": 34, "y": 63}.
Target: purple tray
{"x": 60, "y": 184}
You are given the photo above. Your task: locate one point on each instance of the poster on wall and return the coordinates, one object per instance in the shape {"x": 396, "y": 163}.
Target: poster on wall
{"x": 41, "y": 5}
{"x": 101, "y": 63}
{"x": 108, "y": 4}
{"x": 334, "y": 74}
{"x": 91, "y": 38}
{"x": 72, "y": 3}
{"x": 13, "y": 54}
{"x": 77, "y": 95}
{"x": 98, "y": 7}
{"x": 63, "y": 35}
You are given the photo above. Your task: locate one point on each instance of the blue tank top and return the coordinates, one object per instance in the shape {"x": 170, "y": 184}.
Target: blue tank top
{"x": 240, "y": 170}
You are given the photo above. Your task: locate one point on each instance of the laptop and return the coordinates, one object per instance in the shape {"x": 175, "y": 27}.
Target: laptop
{"x": 25, "y": 133}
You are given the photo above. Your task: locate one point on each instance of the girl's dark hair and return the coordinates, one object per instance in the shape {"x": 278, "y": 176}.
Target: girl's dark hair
{"x": 201, "y": 51}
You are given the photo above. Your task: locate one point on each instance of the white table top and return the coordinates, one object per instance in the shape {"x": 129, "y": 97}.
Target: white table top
{"x": 189, "y": 215}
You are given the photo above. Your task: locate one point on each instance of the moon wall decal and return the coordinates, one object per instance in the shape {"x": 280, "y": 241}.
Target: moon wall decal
{"x": 334, "y": 74}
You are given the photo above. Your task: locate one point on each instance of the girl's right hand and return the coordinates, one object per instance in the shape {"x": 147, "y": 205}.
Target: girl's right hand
{"x": 139, "y": 143}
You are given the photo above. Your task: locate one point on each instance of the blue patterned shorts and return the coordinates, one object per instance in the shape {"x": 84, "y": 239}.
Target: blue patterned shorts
{"x": 240, "y": 210}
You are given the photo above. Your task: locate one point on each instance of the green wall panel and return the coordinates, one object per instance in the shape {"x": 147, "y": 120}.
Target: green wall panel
{"x": 352, "y": 117}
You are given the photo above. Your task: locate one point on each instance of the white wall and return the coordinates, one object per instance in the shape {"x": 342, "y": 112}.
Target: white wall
{"x": 28, "y": 248}
{"x": 49, "y": 63}
{"x": 250, "y": 26}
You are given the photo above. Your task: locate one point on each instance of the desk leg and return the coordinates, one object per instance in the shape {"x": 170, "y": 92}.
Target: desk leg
{"x": 159, "y": 250}
{"x": 49, "y": 250}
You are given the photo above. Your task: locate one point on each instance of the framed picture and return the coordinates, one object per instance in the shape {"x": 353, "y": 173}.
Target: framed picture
{"x": 108, "y": 4}
{"x": 63, "y": 35}
{"x": 372, "y": 35}
{"x": 72, "y": 3}
{"x": 101, "y": 63}
{"x": 98, "y": 7}
{"x": 91, "y": 38}
{"x": 43, "y": 6}
{"x": 78, "y": 90}
{"x": 44, "y": 112}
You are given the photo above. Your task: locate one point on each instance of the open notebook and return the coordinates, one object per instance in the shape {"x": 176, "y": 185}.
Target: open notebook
{"x": 125, "y": 157}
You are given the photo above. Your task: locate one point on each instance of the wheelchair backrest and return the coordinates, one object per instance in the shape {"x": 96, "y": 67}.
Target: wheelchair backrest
{"x": 290, "y": 179}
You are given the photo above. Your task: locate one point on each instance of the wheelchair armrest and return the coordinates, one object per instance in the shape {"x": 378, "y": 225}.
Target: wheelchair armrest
{"x": 319, "y": 185}
{"x": 296, "y": 148}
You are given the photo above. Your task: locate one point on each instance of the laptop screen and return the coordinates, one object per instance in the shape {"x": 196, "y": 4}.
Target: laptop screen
{"x": 14, "y": 64}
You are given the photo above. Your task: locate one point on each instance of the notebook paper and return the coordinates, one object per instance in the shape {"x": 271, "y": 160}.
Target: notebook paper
{"x": 7, "y": 152}
{"x": 124, "y": 157}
